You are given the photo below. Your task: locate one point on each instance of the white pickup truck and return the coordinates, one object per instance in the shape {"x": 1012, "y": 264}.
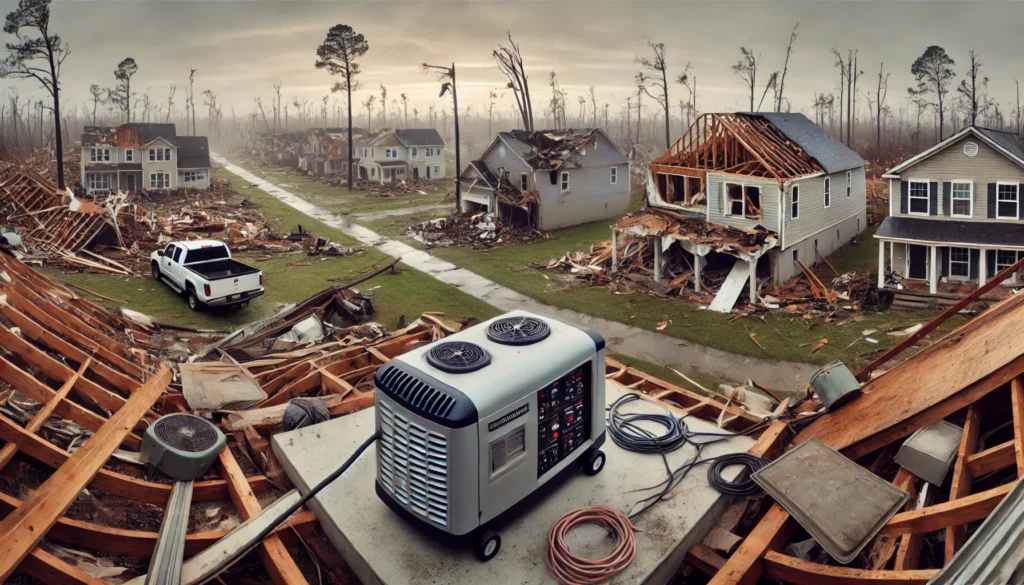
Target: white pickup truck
{"x": 206, "y": 273}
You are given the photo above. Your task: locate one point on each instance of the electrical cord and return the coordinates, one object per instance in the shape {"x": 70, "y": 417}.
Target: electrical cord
{"x": 744, "y": 485}
{"x": 570, "y": 569}
{"x": 627, "y": 434}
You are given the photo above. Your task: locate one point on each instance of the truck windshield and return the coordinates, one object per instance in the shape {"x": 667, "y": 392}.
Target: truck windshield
{"x": 206, "y": 254}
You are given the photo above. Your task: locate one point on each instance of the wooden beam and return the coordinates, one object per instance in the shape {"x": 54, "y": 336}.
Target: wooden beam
{"x": 704, "y": 559}
{"x": 23, "y": 529}
{"x": 799, "y": 572}
{"x": 746, "y": 565}
{"x": 43, "y": 414}
{"x": 678, "y": 171}
{"x": 908, "y": 553}
{"x": 53, "y": 571}
{"x": 992, "y": 459}
{"x": 936, "y": 517}
{"x": 279, "y": 563}
{"x": 962, "y": 481}
{"x": 1017, "y": 405}
{"x": 886, "y": 544}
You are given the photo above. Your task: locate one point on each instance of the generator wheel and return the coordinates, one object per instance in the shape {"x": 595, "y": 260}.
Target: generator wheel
{"x": 594, "y": 462}
{"x": 487, "y": 545}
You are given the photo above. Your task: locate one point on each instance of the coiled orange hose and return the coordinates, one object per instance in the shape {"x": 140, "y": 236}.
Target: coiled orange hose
{"x": 569, "y": 569}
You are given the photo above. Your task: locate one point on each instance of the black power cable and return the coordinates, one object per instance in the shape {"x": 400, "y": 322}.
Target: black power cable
{"x": 743, "y": 486}
{"x": 627, "y": 434}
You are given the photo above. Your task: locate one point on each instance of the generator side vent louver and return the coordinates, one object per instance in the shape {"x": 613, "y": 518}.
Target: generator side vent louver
{"x": 418, "y": 394}
{"x": 507, "y": 449}
{"x": 414, "y": 465}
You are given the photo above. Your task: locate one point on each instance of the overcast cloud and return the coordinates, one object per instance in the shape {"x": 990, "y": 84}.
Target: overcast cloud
{"x": 240, "y": 48}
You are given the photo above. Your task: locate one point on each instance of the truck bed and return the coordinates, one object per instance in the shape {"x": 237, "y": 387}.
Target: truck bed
{"x": 221, "y": 269}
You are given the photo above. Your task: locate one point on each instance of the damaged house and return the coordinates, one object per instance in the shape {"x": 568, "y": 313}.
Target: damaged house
{"x": 394, "y": 156}
{"x": 765, "y": 192}
{"x": 955, "y": 213}
{"x": 548, "y": 178}
{"x": 143, "y": 156}
{"x": 324, "y": 151}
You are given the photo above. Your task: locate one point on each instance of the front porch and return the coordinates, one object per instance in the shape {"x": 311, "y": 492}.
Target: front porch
{"x": 945, "y": 269}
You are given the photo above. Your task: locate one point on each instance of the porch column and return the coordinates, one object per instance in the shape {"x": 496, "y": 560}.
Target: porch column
{"x": 933, "y": 273}
{"x": 657, "y": 258}
{"x": 753, "y": 281}
{"x": 615, "y": 249}
{"x": 881, "y": 264}
{"x": 697, "y": 262}
{"x": 982, "y": 267}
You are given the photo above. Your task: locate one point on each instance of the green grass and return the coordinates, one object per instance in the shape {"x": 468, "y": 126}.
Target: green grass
{"x": 861, "y": 257}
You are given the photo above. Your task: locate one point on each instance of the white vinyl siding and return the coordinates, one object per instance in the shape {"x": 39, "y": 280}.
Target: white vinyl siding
{"x": 962, "y": 199}
{"x": 917, "y": 203}
{"x": 1007, "y": 201}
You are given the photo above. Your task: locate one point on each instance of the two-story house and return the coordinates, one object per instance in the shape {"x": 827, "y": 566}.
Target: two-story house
{"x": 780, "y": 176}
{"x": 955, "y": 211}
{"x": 550, "y": 178}
{"x": 143, "y": 156}
{"x": 324, "y": 151}
{"x": 415, "y": 154}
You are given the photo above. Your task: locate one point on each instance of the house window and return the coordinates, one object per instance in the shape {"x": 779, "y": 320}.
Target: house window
{"x": 960, "y": 262}
{"x": 962, "y": 200}
{"x": 523, "y": 184}
{"x": 159, "y": 154}
{"x": 193, "y": 176}
{"x": 1005, "y": 259}
{"x": 796, "y": 255}
{"x": 99, "y": 155}
{"x": 849, "y": 184}
{"x": 743, "y": 201}
{"x": 391, "y": 153}
{"x": 159, "y": 180}
{"x": 615, "y": 175}
{"x": 414, "y": 152}
{"x": 437, "y": 171}
{"x": 98, "y": 181}
{"x": 828, "y": 192}
{"x": 918, "y": 198}
{"x": 129, "y": 155}
{"x": 1007, "y": 201}
{"x": 565, "y": 181}
{"x": 795, "y": 211}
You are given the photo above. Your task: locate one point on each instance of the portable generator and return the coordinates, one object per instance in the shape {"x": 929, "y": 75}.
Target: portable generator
{"x": 472, "y": 427}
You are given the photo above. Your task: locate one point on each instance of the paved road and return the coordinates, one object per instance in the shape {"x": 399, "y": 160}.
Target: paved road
{"x": 625, "y": 339}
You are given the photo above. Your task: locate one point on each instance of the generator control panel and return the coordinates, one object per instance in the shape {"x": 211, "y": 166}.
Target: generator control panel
{"x": 563, "y": 409}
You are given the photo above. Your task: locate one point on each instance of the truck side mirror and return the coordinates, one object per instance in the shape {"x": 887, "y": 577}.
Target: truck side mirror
{"x": 159, "y": 252}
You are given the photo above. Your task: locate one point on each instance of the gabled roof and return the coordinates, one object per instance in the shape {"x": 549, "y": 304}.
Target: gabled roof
{"x": 420, "y": 137}
{"x": 553, "y": 149}
{"x": 193, "y": 152}
{"x": 831, "y": 154}
{"x": 1007, "y": 143}
{"x": 126, "y": 134}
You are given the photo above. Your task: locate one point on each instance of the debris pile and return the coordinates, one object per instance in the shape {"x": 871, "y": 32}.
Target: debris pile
{"x": 476, "y": 230}
{"x": 388, "y": 188}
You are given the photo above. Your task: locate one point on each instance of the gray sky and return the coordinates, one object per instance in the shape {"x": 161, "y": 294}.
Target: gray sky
{"x": 240, "y": 48}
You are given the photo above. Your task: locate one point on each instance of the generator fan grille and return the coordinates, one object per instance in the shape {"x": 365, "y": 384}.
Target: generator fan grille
{"x": 186, "y": 432}
{"x": 518, "y": 330}
{"x": 458, "y": 357}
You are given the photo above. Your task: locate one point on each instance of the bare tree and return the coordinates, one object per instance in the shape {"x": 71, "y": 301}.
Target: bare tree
{"x": 973, "y": 90}
{"x": 338, "y": 55}
{"x": 510, "y": 63}
{"x": 490, "y": 113}
{"x": 277, "y": 104}
{"x": 446, "y": 75}
{"x": 405, "y": 108}
{"x": 785, "y": 67}
{"x": 384, "y": 106}
{"x": 97, "y": 98}
{"x": 933, "y": 71}
{"x": 688, "y": 80}
{"x": 880, "y": 93}
{"x": 368, "y": 104}
{"x": 746, "y": 69}
{"x": 170, "y": 102}
{"x": 657, "y": 79}
{"x": 842, "y": 87}
{"x": 1019, "y": 126}
{"x": 121, "y": 95}
{"x": 593, "y": 105}
{"x": 192, "y": 97}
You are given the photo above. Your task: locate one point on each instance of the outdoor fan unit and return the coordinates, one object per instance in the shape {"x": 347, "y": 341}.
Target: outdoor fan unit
{"x": 183, "y": 446}
{"x": 477, "y": 423}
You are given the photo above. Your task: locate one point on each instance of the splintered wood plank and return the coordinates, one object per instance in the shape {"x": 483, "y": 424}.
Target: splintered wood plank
{"x": 1017, "y": 402}
{"x": 938, "y": 516}
{"x": 23, "y": 529}
{"x": 746, "y": 565}
{"x": 885, "y": 544}
{"x": 43, "y": 414}
{"x": 53, "y": 571}
{"x": 704, "y": 559}
{"x": 962, "y": 481}
{"x": 279, "y": 563}
{"x": 799, "y": 572}
{"x": 909, "y": 551}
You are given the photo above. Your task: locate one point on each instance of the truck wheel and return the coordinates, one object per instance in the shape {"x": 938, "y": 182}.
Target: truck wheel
{"x": 156, "y": 271}
{"x": 193, "y": 301}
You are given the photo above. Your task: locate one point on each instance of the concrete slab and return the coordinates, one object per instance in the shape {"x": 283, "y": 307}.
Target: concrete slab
{"x": 382, "y": 549}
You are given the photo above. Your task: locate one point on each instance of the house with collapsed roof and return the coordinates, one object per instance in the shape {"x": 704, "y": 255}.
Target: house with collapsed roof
{"x": 143, "y": 156}
{"x": 392, "y": 156}
{"x": 955, "y": 211}
{"x": 762, "y": 192}
{"x": 324, "y": 151}
{"x": 548, "y": 178}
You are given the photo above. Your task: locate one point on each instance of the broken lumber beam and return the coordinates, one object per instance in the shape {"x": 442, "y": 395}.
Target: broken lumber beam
{"x": 800, "y": 572}
{"x": 22, "y": 530}
{"x": 962, "y": 479}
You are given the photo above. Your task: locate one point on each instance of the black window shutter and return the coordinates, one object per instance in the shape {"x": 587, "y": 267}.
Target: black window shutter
{"x": 1020, "y": 208}
{"x": 933, "y": 198}
{"x": 947, "y": 190}
{"x": 975, "y": 260}
{"x": 990, "y": 264}
{"x": 944, "y": 258}
{"x": 991, "y": 200}
{"x": 904, "y": 195}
